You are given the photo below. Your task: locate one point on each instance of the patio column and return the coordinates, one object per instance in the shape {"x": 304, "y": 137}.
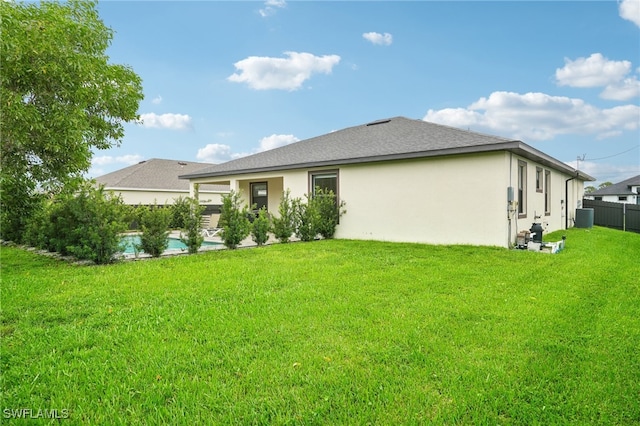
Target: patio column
{"x": 192, "y": 189}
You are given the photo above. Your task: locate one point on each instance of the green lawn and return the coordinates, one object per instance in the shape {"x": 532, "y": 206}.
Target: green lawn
{"x": 330, "y": 332}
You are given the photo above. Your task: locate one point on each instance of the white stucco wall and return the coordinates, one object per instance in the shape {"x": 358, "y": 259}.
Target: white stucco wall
{"x": 566, "y": 197}
{"x": 453, "y": 200}
{"x": 148, "y": 197}
{"x": 441, "y": 200}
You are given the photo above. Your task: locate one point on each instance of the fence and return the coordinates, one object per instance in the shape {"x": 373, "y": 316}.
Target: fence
{"x": 625, "y": 217}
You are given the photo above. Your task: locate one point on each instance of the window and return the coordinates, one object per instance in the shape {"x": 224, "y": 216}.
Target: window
{"x": 327, "y": 180}
{"x": 547, "y": 192}
{"x": 539, "y": 182}
{"x": 622, "y": 198}
{"x": 522, "y": 189}
{"x": 597, "y": 198}
{"x": 259, "y": 195}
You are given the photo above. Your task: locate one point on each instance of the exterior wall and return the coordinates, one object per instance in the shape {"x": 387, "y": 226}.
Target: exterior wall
{"x": 274, "y": 190}
{"x": 566, "y": 197}
{"x": 441, "y": 200}
{"x": 134, "y": 197}
{"x": 450, "y": 200}
{"x": 277, "y": 182}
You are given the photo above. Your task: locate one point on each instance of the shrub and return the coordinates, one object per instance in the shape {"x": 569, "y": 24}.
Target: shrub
{"x": 38, "y": 227}
{"x": 260, "y": 227}
{"x": 86, "y": 224}
{"x": 305, "y": 218}
{"x": 284, "y": 224}
{"x": 328, "y": 212}
{"x": 20, "y": 201}
{"x": 192, "y": 224}
{"x": 234, "y": 220}
{"x": 154, "y": 223}
{"x": 180, "y": 209}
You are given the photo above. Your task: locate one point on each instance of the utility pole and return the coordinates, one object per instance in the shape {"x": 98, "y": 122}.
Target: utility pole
{"x": 578, "y": 160}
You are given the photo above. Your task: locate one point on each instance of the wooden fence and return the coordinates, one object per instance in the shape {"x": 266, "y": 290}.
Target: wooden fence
{"x": 625, "y": 217}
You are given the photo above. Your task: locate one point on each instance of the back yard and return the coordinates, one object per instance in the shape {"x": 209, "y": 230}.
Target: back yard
{"x": 329, "y": 332}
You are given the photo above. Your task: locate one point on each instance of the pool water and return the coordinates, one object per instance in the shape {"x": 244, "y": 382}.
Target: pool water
{"x": 174, "y": 244}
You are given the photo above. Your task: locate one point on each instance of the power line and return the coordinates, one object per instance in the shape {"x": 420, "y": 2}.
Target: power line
{"x": 611, "y": 156}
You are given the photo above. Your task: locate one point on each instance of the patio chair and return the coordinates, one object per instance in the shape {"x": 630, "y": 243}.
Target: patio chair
{"x": 207, "y": 229}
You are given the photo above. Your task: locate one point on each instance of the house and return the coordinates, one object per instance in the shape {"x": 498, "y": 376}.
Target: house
{"x": 156, "y": 181}
{"x": 408, "y": 180}
{"x": 626, "y": 192}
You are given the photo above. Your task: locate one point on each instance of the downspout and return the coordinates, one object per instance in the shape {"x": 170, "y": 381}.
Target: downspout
{"x": 566, "y": 200}
{"x": 509, "y": 202}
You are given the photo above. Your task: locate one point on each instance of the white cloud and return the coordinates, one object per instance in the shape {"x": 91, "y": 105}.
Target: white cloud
{"x": 604, "y": 172}
{"x": 630, "y": 10}
{"x": 276, "y": 141}
{"x": 166, "y": 121}
{"x": 214, "y": 153}
{"x": 628, "y": 88}
{"x": 98, "y": 163}
{"x": 376, "y": 38}
{"x": 220, "y": 153}
{"x": 594, "y": 71}
{"x": 271, "y": 7}
{"x": 157, "y": 100}
{"x": 538, "y": 116}
{"x": 598, "y": 71}
{"x": 263, "y": 73}
{"x": 127, "y": 160}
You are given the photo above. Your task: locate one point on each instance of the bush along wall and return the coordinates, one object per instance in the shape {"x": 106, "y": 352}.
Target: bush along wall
{"x": 284, "y": 224}
{"x": 86, "y": 224}
{"x": 260, "y": 227}
{"x": 308, "y": 217}
{"x": 234, "y": 220}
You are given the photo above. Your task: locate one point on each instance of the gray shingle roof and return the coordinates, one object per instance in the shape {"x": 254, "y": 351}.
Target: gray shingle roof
{"x": 388, "y": 139}
{"x": 156, "y": 174}
{"x": 620, "y": 188}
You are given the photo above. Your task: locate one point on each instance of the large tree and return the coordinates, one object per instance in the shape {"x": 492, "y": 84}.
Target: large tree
{"x": 60, "y": 98}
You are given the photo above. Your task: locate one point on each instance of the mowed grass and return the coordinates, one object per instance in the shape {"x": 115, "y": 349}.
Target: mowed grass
{"x": 330, "y": 332}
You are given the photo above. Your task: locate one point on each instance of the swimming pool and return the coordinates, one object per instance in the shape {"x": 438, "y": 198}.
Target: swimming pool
{"x": 175, "y": 244}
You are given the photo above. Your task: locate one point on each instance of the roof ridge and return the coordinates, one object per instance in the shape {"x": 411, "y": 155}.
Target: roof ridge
{"x": 133, "y": 169}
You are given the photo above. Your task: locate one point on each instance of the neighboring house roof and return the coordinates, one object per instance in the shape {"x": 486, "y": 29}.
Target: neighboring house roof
{"x": 156, "y": 174}
{"x": 389, "y": 139}
{"x": 620, "y": 188}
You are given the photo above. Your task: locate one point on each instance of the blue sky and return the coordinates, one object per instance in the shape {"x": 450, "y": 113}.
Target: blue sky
{"x": 228, "y": 79}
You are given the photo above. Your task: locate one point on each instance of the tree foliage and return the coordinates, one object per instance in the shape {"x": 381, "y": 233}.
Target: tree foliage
{"x": 260, "y": 227}
{"x": 315, "y": 214}
{"x": 234, "y": 220}
{"x": 306, "y": 218}
{"x": 284, "y": 224}
{"x": 60, "y": 98}
{"x": 604, "y": 184}
{"x": 86, "y": 224}
{"x": 154, "y": 222}
{"x": 192, "y": 224}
